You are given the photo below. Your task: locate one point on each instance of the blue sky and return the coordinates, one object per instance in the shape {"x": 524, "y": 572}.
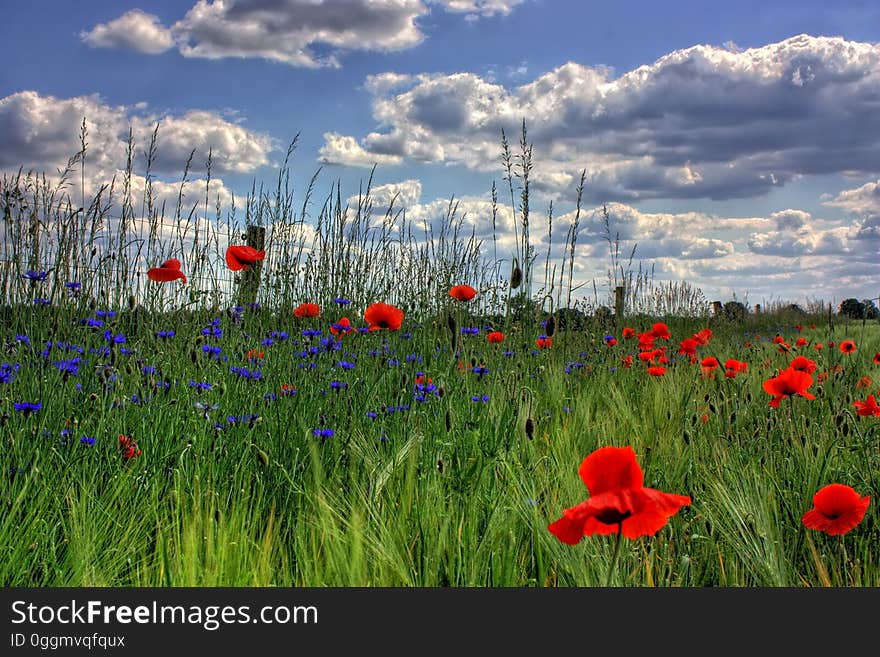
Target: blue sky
{"x": 737, "y": 145}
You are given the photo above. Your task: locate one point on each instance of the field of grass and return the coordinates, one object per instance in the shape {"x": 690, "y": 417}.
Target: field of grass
{"x": 434, "y": 467}
{"x": 201, "y": 434}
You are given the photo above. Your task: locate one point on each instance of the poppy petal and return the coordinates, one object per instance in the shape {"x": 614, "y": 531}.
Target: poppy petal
{"x": 568, "y": 529}
{"x": 164, "y": 275}
{"x": 609, "y": 468}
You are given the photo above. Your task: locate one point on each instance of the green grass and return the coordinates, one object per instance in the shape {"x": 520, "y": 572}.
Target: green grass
{"x": 457, "y": 494}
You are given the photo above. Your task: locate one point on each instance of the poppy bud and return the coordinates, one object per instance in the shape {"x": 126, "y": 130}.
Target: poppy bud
{"x": 515, "y": 275}
{"x": 530, "y": 428}
{"x": 451, "y": 323}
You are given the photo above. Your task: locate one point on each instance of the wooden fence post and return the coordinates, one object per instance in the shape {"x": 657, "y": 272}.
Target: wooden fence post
{"x": 619, "y": 301}
{"x": 717, "y": 308}
{"x": 250, "y": 279}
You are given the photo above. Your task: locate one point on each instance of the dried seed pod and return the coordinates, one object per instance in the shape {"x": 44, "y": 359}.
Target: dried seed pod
{"x": 515, "y": 275}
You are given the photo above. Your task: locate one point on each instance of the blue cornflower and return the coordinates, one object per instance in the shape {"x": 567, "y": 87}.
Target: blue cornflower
{"x": 338, "y": 385}
{"x": 371, "y": 414}
{"x": 469, "y": 330}
{"x": 92, "y": 322}
{"x": 341, "y": 301}
{"x": 414, "y": 358}
{"x": 70, "y": 366}
{"x": 480, "y": 370}
{"x": 199, "y": 385}
{"x": 346, "y": 365}
{"x": 27, "y": 407}
{"x": 478, "y": 398}
{"x": 87, "y": 440}
{"x": 245, "y": 373}
{"x": 35, "y": 276}
{"x": 73, "y": 286}
{"x": 42, "y": 302}
{"x": 165, "y": 334}
{"x": 281, "y": 335}
{"x": 329, "y": 344}
{"x": 8, "y": 371}
{"x": 323, "y": 433}
{"x": 267, "y": 342}
{"x": 23, "y": 339}
{"x": 149, "y": 369}
{"x": 105, "y": 313}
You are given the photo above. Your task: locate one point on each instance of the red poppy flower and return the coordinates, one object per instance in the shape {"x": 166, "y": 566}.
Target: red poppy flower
{"x": 801, "y": 342}
{"x": 799, "y": 327}
{"x": 240, "y": 257}
{"x": 647, "y": 356}
{"x": 627, "y": 360}
{"x": 877, "y": 358}
{"x": 657, "y": 371}
{"x": 688, "y": 347}
{"x": 618, "y": 502}
{"x": 495, "y": 337}
{"x": 383, "y": 316}
{"x": 778, "y": 340}
{"x": 847, "y": 346}
{"x": 629, "y": 332}
{"x": 864, "y": 382}
{"x": 660, "y": 331}
{"x": 734, "y": 364}
{"x": 304, "y": 310}
{"x": 789, "y": 382}
{"x": 837, "y": 509}
{"x": 818, "y": 346}
{"x": 167, "y": 271}
{"x": 803, "y": 364}
{"x": 611, "y": 342}
{"x": 646, "y": 341}
{"x": 868, "y": 407}
{"x": 342, "y": 327}
{"x": 130, "y": 449}
{"x": 253, "y": 354}
{"x": 544, "y": 342}
{"x": 709, "y": 363}
{"x": 462, "y": 292}
{"x": 702, "y": 336}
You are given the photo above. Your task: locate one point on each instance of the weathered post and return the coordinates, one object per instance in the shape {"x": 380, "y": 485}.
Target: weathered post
{"x": 757, "y": 308}
{"x": 717, "y": 308}
{"x": 619, "y": 300}
{"x": 250, "y": 279}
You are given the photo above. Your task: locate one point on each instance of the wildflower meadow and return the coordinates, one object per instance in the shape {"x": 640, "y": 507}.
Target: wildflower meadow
{"x": 327, "y": 397}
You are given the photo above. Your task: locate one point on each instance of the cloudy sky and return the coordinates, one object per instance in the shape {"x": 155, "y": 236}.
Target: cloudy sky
{"x": 735, "y": 144}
